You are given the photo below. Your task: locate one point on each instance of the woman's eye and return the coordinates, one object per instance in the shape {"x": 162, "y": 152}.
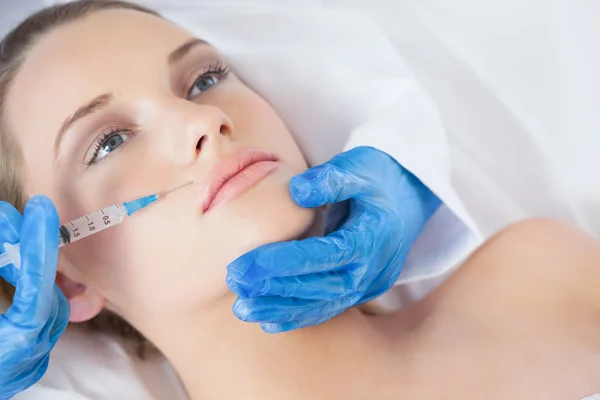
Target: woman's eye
{"x": 106, "y": 144}
{"x": 202, "y": 84}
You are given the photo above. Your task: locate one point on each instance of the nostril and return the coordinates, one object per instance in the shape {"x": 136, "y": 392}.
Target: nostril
{"x": 223, "y": 130}
{"x": 200, "y": 142}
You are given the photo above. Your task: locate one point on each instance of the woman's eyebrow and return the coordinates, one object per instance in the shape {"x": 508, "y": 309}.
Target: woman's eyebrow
{"x": 105, "y": 99}
{"x": 89, "y": 108}
{"x": 182, "y": 50}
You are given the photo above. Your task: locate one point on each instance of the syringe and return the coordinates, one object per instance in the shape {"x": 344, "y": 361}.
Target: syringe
{"x": 88, "y": 225}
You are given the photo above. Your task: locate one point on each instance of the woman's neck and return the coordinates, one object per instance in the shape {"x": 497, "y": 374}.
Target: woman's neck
{"x": 219, "y": 357}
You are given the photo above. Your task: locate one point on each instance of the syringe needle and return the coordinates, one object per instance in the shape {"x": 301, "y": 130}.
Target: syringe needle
{"x": 174, "y": 189}
{"x": 143, "y": 202}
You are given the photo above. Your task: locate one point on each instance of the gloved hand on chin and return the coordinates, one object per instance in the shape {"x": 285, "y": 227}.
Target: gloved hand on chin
{"x": 289, "y": 285}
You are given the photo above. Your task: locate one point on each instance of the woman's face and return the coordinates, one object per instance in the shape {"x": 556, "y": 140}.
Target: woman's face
{"x": 158, "y": 110}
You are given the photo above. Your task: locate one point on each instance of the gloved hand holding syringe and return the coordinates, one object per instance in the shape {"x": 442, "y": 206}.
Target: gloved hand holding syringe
{"x": 39, "y": 313}
{"x": 88, "y": 225}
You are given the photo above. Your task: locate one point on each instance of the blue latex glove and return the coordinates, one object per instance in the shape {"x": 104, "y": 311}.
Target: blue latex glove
{"x": 39, "y": 312}
{"x": 289, "y": 285}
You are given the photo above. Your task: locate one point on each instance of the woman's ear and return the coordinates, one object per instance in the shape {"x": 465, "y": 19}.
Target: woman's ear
{"x": 85, "y": 303}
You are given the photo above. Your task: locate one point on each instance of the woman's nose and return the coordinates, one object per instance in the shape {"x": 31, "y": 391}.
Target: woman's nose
{"x": 206, "y": 129}
{"x": 211, "y": 130}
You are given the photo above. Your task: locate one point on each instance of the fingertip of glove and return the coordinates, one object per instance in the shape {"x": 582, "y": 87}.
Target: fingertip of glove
{"x": 41, "y": 207}
{"x": 298, "y": 189}
{"x": 237, "y": 269}
{"x": 240, "y": 309}
{"x": 10, "y": 222}
{"x": 305, "y": 192}
{"x": 235, "y": 287}
{"x": 6, "y": 208}
{"x": 40, "y": 202}
{"x": 271, "y": 328}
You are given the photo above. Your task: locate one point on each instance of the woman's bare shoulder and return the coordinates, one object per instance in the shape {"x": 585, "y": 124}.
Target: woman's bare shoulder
{"x": 538, "y": 268}
{"x": 520, "y": 309}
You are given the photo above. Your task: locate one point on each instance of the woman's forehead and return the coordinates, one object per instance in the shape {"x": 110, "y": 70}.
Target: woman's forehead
{"x": 112, "y": 50}
{"x": 110, "y": 38}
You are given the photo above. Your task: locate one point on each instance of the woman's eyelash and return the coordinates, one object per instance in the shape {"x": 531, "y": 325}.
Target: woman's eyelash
{"x": 219, "y": 70}
{"x": 101, "y": 141}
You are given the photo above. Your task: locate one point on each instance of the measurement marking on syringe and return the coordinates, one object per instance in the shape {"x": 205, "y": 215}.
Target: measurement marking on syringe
{"x": 88, "y": 218}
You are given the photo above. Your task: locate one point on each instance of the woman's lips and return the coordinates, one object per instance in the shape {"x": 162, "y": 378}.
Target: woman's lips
{"x": 235, "y": 174}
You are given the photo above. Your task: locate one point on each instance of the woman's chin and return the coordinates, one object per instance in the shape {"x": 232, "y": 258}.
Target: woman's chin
{"x": 296, "y": 223}
{"x": 266, "y": 214}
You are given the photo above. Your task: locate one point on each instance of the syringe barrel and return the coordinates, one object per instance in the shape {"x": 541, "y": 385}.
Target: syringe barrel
{"x": 90, "y": 224}
{"x": 72, "y": 231}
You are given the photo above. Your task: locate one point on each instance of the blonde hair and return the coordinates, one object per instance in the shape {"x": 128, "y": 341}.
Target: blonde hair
{"x": 13, "y": 51}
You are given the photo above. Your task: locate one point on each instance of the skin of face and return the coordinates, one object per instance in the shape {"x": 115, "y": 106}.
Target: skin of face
{"x": 170, "y": 258}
